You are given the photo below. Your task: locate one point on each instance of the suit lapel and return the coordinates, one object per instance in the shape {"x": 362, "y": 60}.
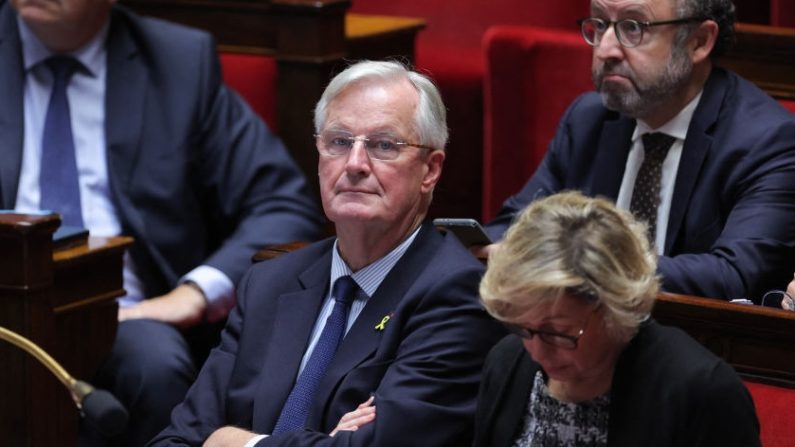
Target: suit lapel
{"x": 124, "y": 102}
{"x": 697, "y": 145}
{"x": 11, "y": 106}
{"x": 296, "y": 313}
{"x": 611, "y": 157}
{"x": 363, "y": 339}
{"x": 509, "y": 407}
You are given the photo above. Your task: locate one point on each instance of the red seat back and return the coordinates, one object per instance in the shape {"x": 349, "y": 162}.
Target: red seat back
{"x": 782, "y": 13}
{"x": 460, "y": 23}
{"x": 253, "y": 76}
{"x": 532, "y": 75}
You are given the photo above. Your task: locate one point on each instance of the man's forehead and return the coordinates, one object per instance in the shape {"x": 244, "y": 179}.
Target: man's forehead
{"x": 374, "y": 105}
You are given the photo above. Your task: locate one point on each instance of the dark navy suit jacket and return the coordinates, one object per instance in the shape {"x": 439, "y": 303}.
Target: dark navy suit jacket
{"x": 668, "y": 391}
{"x": 423, "y": 367}
{"x": 195, "y": 175}
{"x": 731, "y": 230}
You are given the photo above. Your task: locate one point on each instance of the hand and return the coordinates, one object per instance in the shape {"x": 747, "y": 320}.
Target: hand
{"x": 183, "y": 307}
{"x": 229, "y": 437}
{"x": 483, "y": 251}
{"x": 361, "y": 416}
{"x": 788, "y": 304}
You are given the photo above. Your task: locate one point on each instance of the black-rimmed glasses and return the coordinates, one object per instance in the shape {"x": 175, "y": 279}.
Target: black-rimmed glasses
{"x": 629, "y": 32}
{"x": 556, "y": 339}
{"x": 379, "y": 147}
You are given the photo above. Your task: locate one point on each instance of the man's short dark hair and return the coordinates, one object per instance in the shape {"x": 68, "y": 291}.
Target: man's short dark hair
{"x": 720, "y": 11}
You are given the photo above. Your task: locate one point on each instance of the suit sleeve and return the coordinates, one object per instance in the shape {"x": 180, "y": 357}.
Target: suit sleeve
{"x": 754, "y": 238}
{"x": 204, "y": 407}
{"x": 427, "y": 394}
{"x": 257, "y": 193}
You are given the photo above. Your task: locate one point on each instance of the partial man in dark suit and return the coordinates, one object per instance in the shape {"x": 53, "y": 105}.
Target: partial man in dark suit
{"x": 415, "y": 335}
{"x": 123, "y": 125}
{"x": 702, "y": 155}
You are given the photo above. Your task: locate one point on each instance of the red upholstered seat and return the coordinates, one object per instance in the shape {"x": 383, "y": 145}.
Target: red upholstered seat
{"x": 788, "y": 104}
{"x": 253, "y": 76}
{"x": 774, "y": 406}
{"x": 449, "y": 49}
{"x": 532, "y": 76}
{"x": 782, "y": 13}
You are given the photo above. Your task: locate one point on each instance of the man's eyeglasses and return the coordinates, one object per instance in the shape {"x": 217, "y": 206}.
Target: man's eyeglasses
{"x": 629, "y": 32}
{"x": 556, "y": 339}
{"x": 378, "y": 147}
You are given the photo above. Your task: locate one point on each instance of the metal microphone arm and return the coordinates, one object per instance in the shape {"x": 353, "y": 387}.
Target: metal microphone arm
{"x": 99, "y": 407}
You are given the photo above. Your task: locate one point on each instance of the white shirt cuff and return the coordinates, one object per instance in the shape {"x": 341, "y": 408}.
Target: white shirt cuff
{"x": 217, "y": 288}
{"x": 253, "y": 441}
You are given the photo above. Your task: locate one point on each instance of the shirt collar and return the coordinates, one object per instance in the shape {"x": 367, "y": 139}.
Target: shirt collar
{"x": 370, "y": 277}
{"x": 89, "y": 55}
{"x": 676, "y": 127}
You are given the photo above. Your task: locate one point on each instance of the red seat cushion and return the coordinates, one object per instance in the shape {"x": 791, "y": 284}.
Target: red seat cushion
{"x": 774, "y": 406}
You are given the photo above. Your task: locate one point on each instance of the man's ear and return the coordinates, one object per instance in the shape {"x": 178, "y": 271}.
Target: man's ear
{"x": 702, "y": 41}
{"x": 434, "y": 163}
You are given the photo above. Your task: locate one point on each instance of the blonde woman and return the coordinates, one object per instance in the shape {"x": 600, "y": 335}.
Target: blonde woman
{"x": 575, "y": 281}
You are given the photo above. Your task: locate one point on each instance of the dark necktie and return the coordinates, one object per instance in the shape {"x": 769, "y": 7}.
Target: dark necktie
{"x": 58, "y": 181}
{"x": 296, "y": 408}
{"x": 646, "y": 194}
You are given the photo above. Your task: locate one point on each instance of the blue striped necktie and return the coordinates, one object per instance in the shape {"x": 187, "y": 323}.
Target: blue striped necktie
{"x": 296, "y": 407}
{"x": 58, "y": 178}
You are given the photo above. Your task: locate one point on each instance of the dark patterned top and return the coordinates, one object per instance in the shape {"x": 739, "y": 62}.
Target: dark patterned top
{"x": 551, "y": 423}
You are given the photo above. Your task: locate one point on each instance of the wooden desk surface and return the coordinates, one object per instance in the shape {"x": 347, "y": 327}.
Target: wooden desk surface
{"x": 759, "y": 342}
{"x": 360, "y": 26}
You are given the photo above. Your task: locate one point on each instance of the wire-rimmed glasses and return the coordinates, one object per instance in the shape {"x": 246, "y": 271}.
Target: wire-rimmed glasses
{"x": 379, "y": 147}
{"x": 629, "y": 32}
{"x": 556, "y": 339}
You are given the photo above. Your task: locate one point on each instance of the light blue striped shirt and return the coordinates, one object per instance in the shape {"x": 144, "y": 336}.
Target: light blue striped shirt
{"x": 368, "y": 279}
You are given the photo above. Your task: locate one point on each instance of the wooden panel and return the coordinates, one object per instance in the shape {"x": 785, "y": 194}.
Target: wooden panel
{"x": 65, "y": 303}
{"x": 758, "y": 341}
{"x": 766, "y": 56}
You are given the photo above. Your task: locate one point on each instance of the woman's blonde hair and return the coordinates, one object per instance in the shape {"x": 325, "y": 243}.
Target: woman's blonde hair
{"x": 569, "y": 244}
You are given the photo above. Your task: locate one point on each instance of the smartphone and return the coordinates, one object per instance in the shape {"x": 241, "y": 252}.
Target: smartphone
{"x": 468, "y": 231}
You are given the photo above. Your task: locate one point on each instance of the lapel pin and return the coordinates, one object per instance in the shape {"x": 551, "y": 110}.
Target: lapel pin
{"x": 380, "y": 326}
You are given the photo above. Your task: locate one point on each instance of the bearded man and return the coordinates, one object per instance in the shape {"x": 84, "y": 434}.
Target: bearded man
{"x": 702, "y": 155}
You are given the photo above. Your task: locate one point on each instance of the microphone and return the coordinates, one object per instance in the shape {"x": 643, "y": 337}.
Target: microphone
{"x": 98, "y": 407}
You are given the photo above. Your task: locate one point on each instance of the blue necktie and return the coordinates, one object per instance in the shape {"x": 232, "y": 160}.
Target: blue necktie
{"x": 58, "y": 181}
{"x": 296, "y": 407}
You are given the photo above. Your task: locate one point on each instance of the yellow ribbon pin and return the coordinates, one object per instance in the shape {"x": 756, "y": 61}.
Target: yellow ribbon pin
{"x": 380, "y": 326}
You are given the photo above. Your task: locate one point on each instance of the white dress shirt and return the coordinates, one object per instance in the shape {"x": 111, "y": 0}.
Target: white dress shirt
{"x": 677, "y": 128}
{"x": 86, "y": 94}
